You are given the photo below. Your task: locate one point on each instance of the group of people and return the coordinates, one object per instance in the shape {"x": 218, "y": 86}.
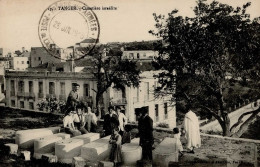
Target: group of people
{"x": 79, "y": 118}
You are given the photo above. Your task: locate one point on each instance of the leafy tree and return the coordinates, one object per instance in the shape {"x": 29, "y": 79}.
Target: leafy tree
{"x": 198, "y": 52}
{"x": 110, "y": 70}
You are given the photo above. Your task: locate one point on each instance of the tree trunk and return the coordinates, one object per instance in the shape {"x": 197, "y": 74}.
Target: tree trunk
{"x": 226, "y": 129}
{"x": 98, "y": 96}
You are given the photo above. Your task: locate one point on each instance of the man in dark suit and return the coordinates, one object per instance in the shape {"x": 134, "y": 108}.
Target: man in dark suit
{"x": 145, "y": 126}
{"x": 110, "y": 121}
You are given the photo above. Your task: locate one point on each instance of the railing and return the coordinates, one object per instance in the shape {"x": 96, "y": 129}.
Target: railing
{"x": 51, "y": 96}
{"x": 31, "y": 94}
{"x": 34, "y": 74}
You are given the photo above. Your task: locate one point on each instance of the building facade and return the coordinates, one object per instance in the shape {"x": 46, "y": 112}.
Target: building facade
{"x": 39, "y": 56}
{"x": 25, "y": 89}
{"x": 142, "y": 55}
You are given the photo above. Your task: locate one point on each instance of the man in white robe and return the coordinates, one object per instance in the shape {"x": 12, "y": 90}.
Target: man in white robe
{"x": 192, "y": 131}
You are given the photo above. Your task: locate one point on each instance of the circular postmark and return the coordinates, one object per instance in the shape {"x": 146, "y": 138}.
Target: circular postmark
{"x": 69, "y": 29}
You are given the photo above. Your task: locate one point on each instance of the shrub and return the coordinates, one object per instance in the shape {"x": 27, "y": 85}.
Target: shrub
{"x": 51, "y": 104}
{"x": 163, "y": 125}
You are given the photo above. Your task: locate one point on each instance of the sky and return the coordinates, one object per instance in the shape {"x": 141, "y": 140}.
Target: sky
{"x": 130, "y": 22}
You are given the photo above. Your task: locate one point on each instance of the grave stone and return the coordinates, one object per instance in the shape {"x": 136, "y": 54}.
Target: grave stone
{"x": 66, "y": 149}
{"x": 89, "y": 137}
{"x": 97, "y": 150}
{"x": 165, "y": 152}
{"x": 78, "y": 162}
{"x": 50, "y": 158}
{"x": 25, "y": 138}
{"x": 105, "y": 164}
{"x": 45, "y": 144}
{"x": 131, "y": 152}
{"x": 26, "y": 155}
{"x": 12, "y": 148}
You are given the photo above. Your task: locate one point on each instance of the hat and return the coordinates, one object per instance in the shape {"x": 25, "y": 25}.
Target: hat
{"x": 76, "y": 84}
{"x": 175, "y": 130}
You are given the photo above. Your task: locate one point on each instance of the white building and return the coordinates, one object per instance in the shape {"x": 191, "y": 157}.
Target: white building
{"x": 24, "y": 89}
{"x": 142, "y": 55}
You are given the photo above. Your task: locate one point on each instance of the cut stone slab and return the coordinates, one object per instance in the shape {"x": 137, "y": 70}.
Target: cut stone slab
{"x": 12, "y": 148}
{"x": 46, "y": 144}
{"x": 97, "y": 150}
{"x": 66, "y": 149}
{"x": 89, "y": 137}
{"x": 51, "y": 158}
{"x": 131, "y": 152}
{"x": 78, "y": 162}
{"x": 26, "y": 155}
{"x": 105, "y": 164}
{"x": 63, "y": 135}
{"x": 25, "y": 138}
{"x": 165, "y": 152}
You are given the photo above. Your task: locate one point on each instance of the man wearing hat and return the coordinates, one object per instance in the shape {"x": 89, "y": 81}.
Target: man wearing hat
{"x": 73, "y": 98}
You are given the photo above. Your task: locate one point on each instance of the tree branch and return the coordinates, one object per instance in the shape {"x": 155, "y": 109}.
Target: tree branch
{"x": 239, "y": 121}
{"x": 213, "y": 113}
{"x": 245, "y": 125}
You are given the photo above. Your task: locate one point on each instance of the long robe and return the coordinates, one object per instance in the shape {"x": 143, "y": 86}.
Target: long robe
{"x": 191, "y": 126}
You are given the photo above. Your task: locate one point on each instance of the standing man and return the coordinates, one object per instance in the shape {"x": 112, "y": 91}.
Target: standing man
{"x": 110, "y": 121}
{"x": 146, "y": 135}
{"x": 192, "y": 131}
{"x": 122, "y": 120}
{"x": 73, "y": 98}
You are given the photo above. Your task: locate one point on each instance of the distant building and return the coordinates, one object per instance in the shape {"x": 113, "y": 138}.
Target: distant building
{"x": 39, "y": 56}
{"x": 141, "y": 55}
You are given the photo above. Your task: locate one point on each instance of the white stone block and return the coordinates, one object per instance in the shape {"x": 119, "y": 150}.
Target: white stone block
{"x": 25, "y": 138}
{"x": 66, "y": 149}
{"x": 165, "y": 152}
{"x": 26, "y": 155}
{"x": 97, "y": 150}
{"x": 12, "y": 148}
{"x": 63, "y": 135}
{"x": 135, "y": 141}
{"x": 78, "y": 162}
{"x": 131, "y": 152}
{"x": 45, "y": 144}
{"x": 89, "y": 137}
